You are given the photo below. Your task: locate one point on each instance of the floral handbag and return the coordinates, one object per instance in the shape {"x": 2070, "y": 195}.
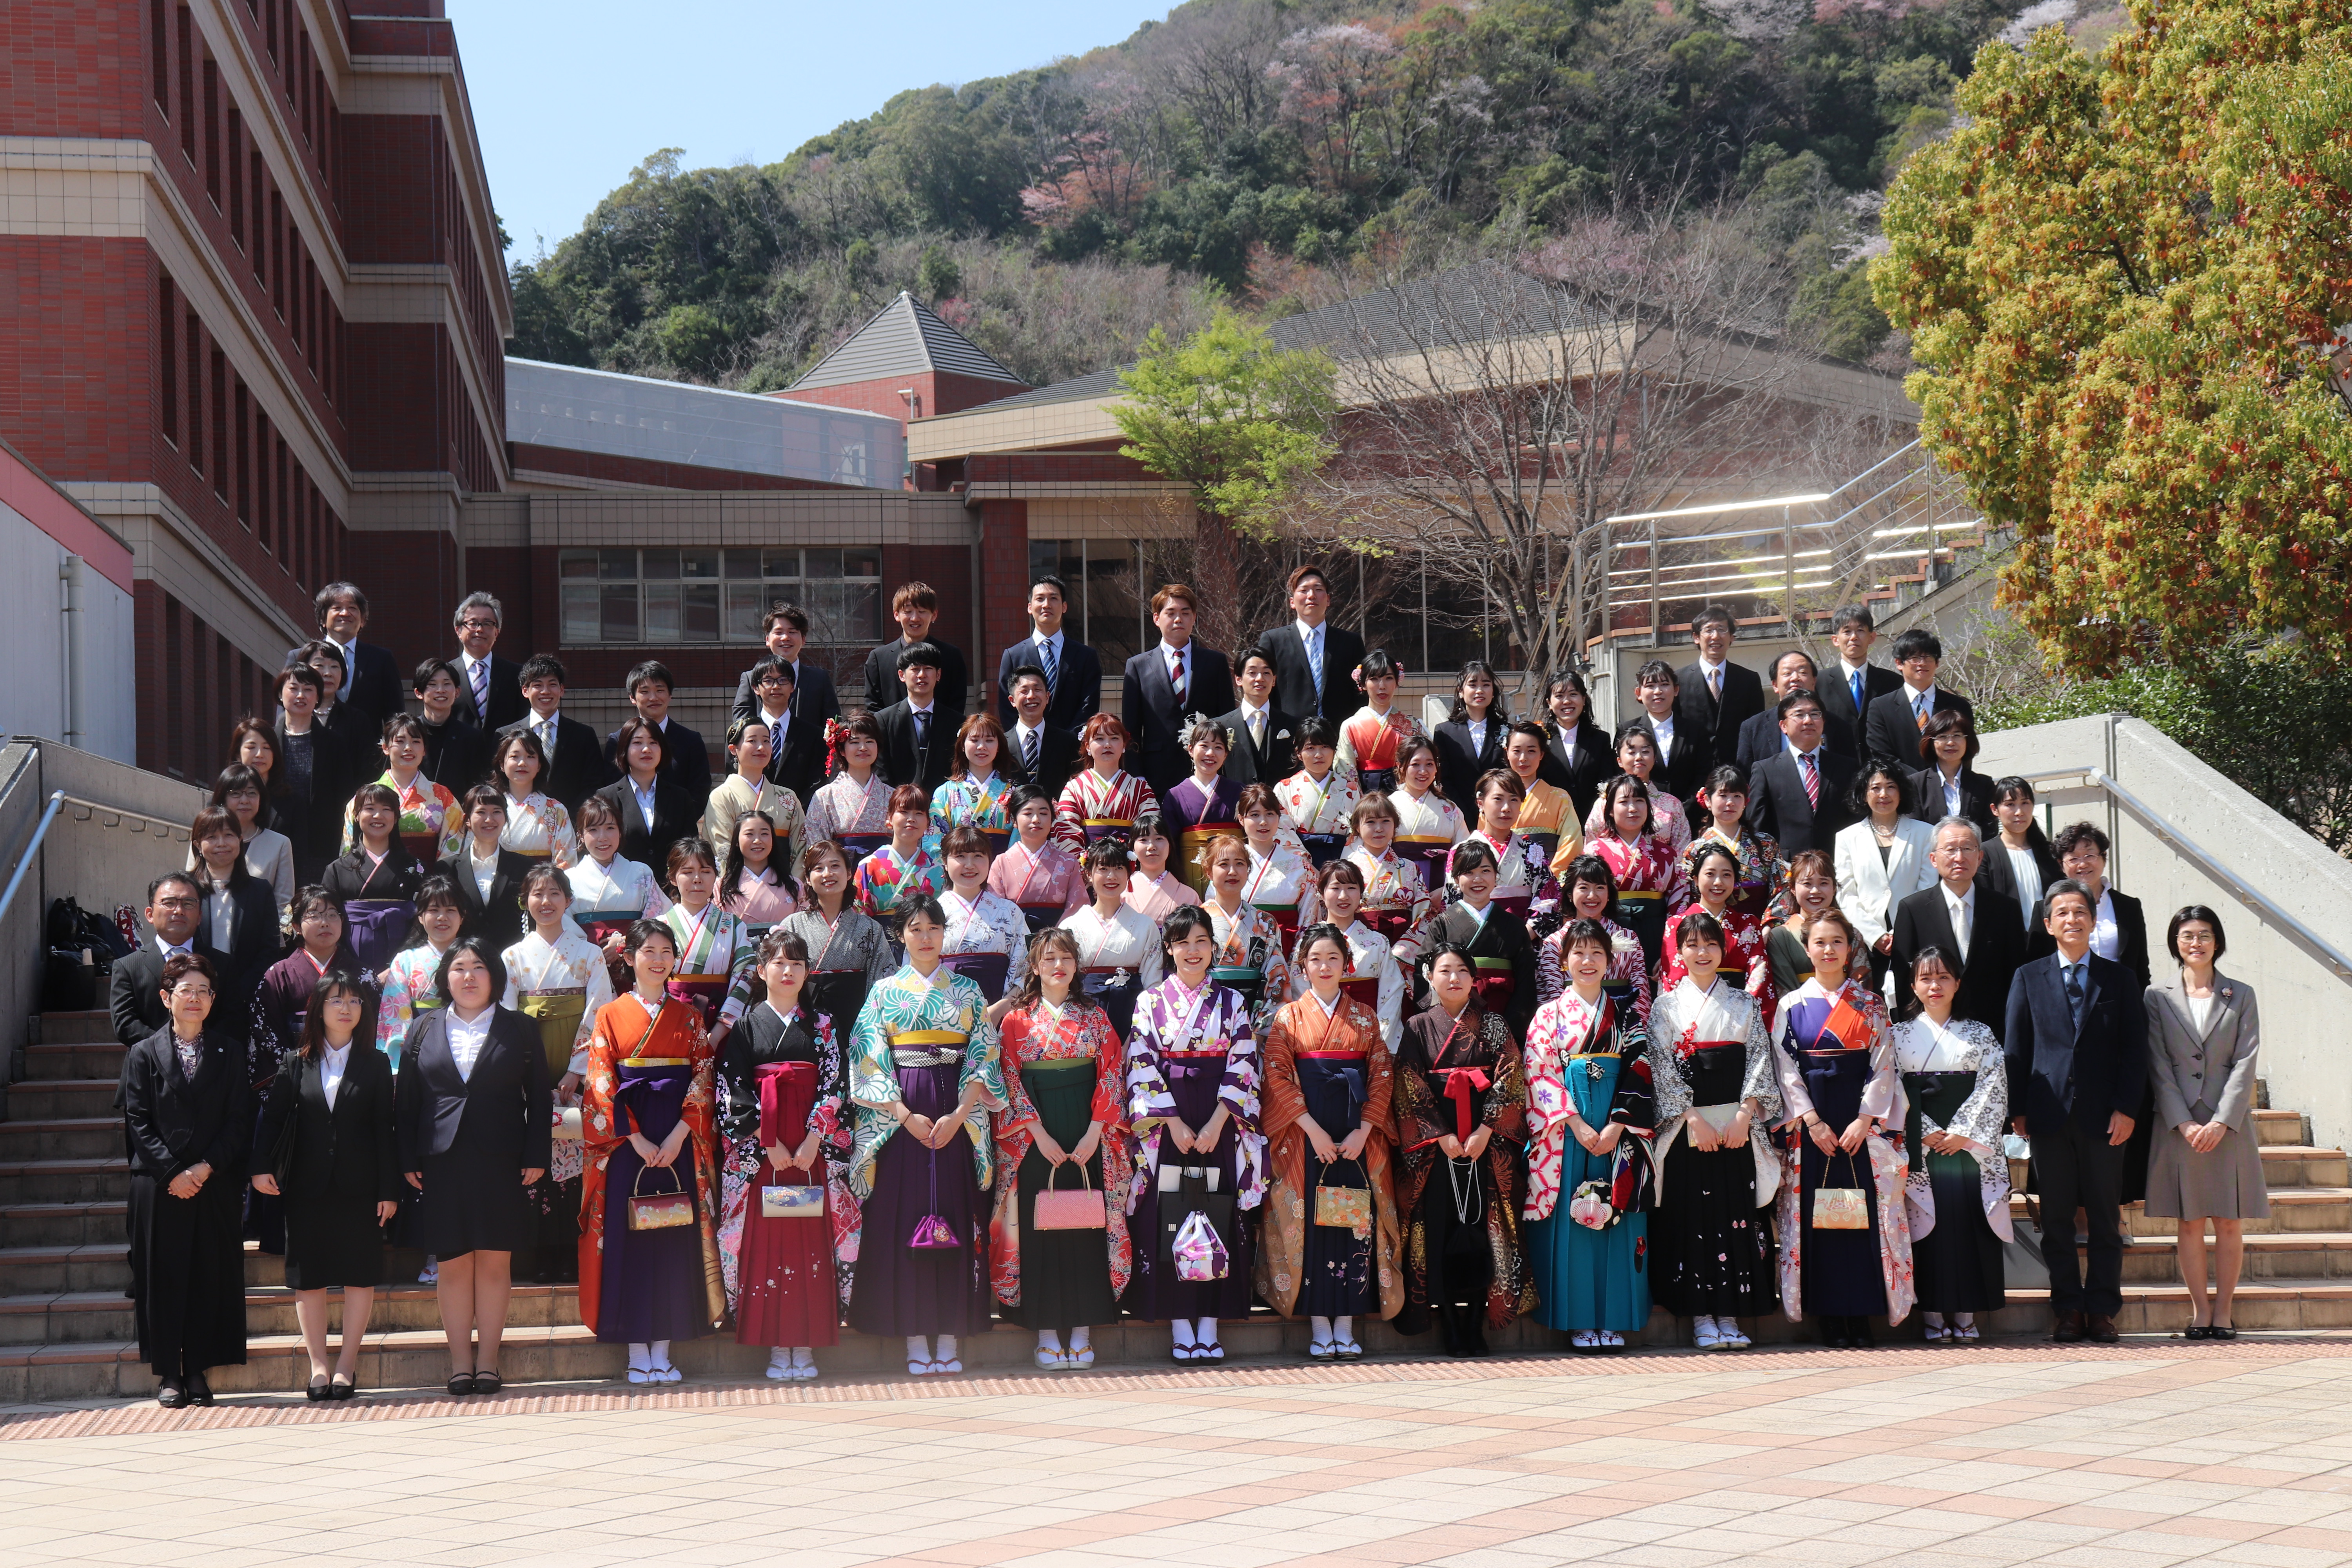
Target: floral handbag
{"x": 659, "y": 1211}
{"x": 1072, "y": 1208}
{"x": 932, "y": 1233}
{"x": 1841, "y": 1208}
{"x": 1346, "y": 1208}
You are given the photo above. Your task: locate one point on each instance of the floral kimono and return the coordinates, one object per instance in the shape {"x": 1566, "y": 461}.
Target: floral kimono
{"x": 1955, "y": 1081}
{"x": 408, "y": 990}
{"x": 1336, "y": 1068}
{"x": 1191, "y": 1052}
{"x": 1250, "y": 959}
{"x": 717, "y": 962}
{"x": 1627, "y": 980}
{"x": 542, "y": 830}
{"x": 1281, "y": 885}
{"x": 1375, "y": 978}
{"x": 648, "y": 1068}
{"x": 764, "y": 1038}
{"x": 734, "y": 798}
{"x": 1427, "y": 831}
{"x": 1454, "y": 1075}
{"x": 1711, "y": 1251}
{"x": 987, "y": 942}
{"x": 1043, "y": 885}
{"x": 1368, "y": 746}
{"x": 1548, "y": 816}
{"x": 908, "y": 1003}
{"x": 1195, "y": 818}
{"x": 432, "y": 824}
{"x": 886, "y": 879}
{"x": 1092, "y": 806}
{"x": 1745, "y": 954}
{"x": 560, "y": 986}
{"x": 1650, "y": 886}
{"x": 1118, "y": 959}
{"x": 1585, "y": 1060}
{"x": 1042, "y": 1045}
{"x": 848, "y": 956}
{"x": 1318, "y": 812}
{"x": 855, "y": 817}
{"x": 1669, "y": 825}
{"x": 1397, "y": 900}
{"x": 1761, "y": 869}
{"x": 1524, "y": 883}
{"x": 977, "y": 802}
{"x": 608, "y": 897}
{"x": 1156, "y": 900}
{"x": 1835, "y": 1056}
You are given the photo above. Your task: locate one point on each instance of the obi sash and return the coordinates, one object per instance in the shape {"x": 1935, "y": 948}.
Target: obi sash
{"x": 1322, "y": 848}
{"x": 1497, "y": 983}
{"x": 1545, "y": 840}
{"x": 557, "y": 1011}
{"x": 1040, "y": 916}
{"x": 597, "y": 925}
{"x": 857, "y": 847}
{"x": 704, "y": 993}
{"x": 1247, "y": 979}
{"x": 1115, "y": 991}
{"x": 1716, "y": 1070}
{"x": 1428, "y": 852}
{"x": 1514, "y": 900}
{"x": 1643, "y": 912}
{"x": 1284, "y": 917}
{"x": 986, "y": 970}
{"x": 1391, "y": 923}
{"x": 377, "y": 928}
{"x": 1192, "y": 852}
{"x": 929, "y": 1047}
{"x": 1097, "y": 828}
{"x": 1364, "y": 988}
{"x": 999, "y": 840}
{"x": 1377, "y": 780}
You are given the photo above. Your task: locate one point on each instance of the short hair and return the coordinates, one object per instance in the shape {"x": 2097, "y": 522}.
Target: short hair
{"x": 1617, "y": 787}
{"x": 1246, "y": 652}
{"x": 1820, "y": 862}
{"x": 547, "y": 873}
{"x": 1975, "y": 834}
{"x": 1047, "y": 580}
{"x": 1172, "y": 591}
{"x": 267, "y": 734}
{"x": 1375, "y": 805}
{"x": 1100, "y": 725}
{"x": 979, "y": 724}
{"x": 1726, "y": 777}
{"x": 817, "y": 850}
{"x": 1588, "y": 931}
{"x": 1799, "y": 697}
{"x": 407, "y": 724}
{"x": 2067, "y": 887}
{"x": 646, "y": 670}
{"x": 1503, "y": 779}
{"x": 1301, "y": 573}
{"x": 324, "y": 599}
{"x": 486, "y": 795}
{"x": 915, "y": 597}
{"x": 1149, "y": 826}
{"x": 318, "y": 648}
{"x": 308, "y": 901}
{"x": 598, "y": 809}
{"x": 478, "y": 601}
{"x": 1317, "y": 730}
{"x": 1255, "y": 796}
{"x": 909, "y": 797}
{"x": 1654, "y": 670}
{"x": 1852, "y": 934}
{"x": 1025, "y": 796}
{"x": 541, "y": 666}
{"x": 481, "y": 947}
{"x": 642, "y": 931}
{"x": 1590, "y": 868}
{"x": 1945, "y": 722}
{"x": 437, "y": 890}
{"x": 1026, "y": 672}
{"x": 1218, "y": 844}
{"x": 1199, "y": 728}
{"x": 925, "y": 652}
{"x": 2194, "y": 912}
{"x": 430, "y": 668}
{"x": 1338, "y": 871}
{"x": 1379, "y": 665}
{"x": 769, "y": 664}
{"x": 1569, "y": 678}
{"x": 301, "y": 675}
{"x": 1636, "y": 729}
{"x": 1873, "y": 768}
{"x": 963, "y": 838}
{"x": 790, "y": 614}
{"x": 184, "y": 963}
{"x": 1795, "y": 652}
{"x": 1470, "y": 854}
{"x": 1916, "y": 641}
{"x": 1188, "y": 919}
{"x": 518, "y": 736}
{"x": 1715, "y": 615}
{"x": 1854, "y": 615}
{"x": 924, "y": 904}
{"x": 688, "y": 847}
{"x": 185, "y": 878}
{"x": 377, "y": 793}
{"x": 1696, "y": 926}
{"x": 235, "y": 777}
{"x": 2074, "y": 834}
{"x": 789, "y": 945}
{"x": 626, "y": 736}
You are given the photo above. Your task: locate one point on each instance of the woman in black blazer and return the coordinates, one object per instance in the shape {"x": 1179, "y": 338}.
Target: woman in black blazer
{"x": 1578, "y": 756}
{"x": 1462, "y": 759}
{"x": 339, "y": 1177}
{"x": 1948, "y": 746}
{"x": 678, "y": 811}
{"x": 238, "y": 929}
{"x": 2013, "y": 810}
{"x": 187, "y": 1116}
{"x": 474, "y": 1131}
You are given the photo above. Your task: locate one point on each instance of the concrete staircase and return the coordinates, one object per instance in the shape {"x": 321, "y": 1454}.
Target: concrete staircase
{"x": 67, "y": 1331}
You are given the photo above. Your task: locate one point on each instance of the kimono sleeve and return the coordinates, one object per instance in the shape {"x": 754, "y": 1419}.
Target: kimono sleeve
{"x": 562, "y": 841}
{"x": 830, "y": 1115}
{"x": 744, "y": 966}
{"x": 1149, "y": 1100}
{"x": 1983, "y": 1116}
{"x": 1547, "y": 1074}
{"x": 600, "y": 996}
{"x": 873, "y": 1075}
{"x": 1070, "y": 819}
{"x": 1239, "y": 1089}
{"x": 1634, "y": 1106}
{"x": 1762, "y": 1081}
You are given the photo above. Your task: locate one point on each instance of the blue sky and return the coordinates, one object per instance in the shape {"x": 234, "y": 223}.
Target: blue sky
{"x": 569, "y": 96}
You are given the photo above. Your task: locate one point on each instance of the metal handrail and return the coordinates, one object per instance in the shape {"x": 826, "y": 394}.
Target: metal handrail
{"x": 25, "y": 861}
{"x": 169, "y": 825}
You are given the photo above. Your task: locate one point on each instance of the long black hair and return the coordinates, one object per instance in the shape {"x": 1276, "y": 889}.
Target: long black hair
{"x": 1498, "y": 713}
{"x": 731, "y": 873}
{"x": 314, "y": 1023}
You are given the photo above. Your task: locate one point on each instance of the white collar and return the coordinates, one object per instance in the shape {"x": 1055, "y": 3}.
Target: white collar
{"x": 1167, "y": 647}
{"x": 535, "y": 720}
{"x": 1475, "y": 912}
{"x": 1249, "y": 712}
{"x": 1022, "y": 728}
{"x": 776, "y": 721}
{"x": 1331, "y": 1009}
{"x": 1965, "y": 900}
{"x": 1307, "y": 633}
{"x": 1042, "y": 639}
{"x": 1852, "y": 669}
{"x": 167, "y": 948}
{"x": 1912, "y": 694}
{"x": 915, "y": 707}
{"x": 1708, "y": 668}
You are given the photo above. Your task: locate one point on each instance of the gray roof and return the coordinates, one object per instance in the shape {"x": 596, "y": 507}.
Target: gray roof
{"x": 904, "y": 338}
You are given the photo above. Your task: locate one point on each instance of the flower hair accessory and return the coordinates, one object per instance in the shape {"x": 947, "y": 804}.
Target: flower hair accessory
{"x": 836, "y": 732}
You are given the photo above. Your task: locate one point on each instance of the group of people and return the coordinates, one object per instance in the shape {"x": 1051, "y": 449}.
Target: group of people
{"x": 917, "y": 1019}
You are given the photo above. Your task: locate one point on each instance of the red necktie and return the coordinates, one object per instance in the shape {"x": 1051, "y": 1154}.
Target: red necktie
{"x": 1176, "y": 675}
{"x": 1813, "y": 778}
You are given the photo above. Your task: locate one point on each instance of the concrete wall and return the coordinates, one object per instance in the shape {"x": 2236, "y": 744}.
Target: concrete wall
{"x": 33, "y": 640}
{"x": 2305, "y": 1000}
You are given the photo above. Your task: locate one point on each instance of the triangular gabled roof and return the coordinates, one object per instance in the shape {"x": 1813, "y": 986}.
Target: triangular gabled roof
{"x": 904, "y": 338}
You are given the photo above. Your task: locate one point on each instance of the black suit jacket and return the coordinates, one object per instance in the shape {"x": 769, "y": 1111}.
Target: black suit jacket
{"x": 2060, "y": 1072}
{"x": 171, "y": 1123}
{"x": 1997, "y": 873}
{"x": 2131, "y": 933}
{"x": 1776, "y": 803}
{"x": 1837, "y": 697}
{"x": 1760, "y": 737}
{"x": 883, "y": 686}
{"x": 1155, "y": 719}
{"x": 578, "y": 768}
{"x": 1247, "y": 765}
{"x": 457, "y": 754}
{"x": 1595, "y": 763}
{"x": 351, "y": 1150}
{"x": 1697, "y": 710}
{"x": 687, "y": 760}
{"x": 134, "y": 995}
{"x": 905, "y": 762}
{"x": 1684, "y": 773}
{"x": 507, "y": 704}
{"x": 1058, "y": 758}
{"x": 1077, "y": 681}
{"x": 1996, "y": 949}
{"x": 1459, "y": 769}
{"x": 315, "y": 826}
{"x": 254, "y": 946}
{"x": 1294, "y": 677}
{"x": 799, "y": 764}
{"x": 1975, "y": 798}
{"x": 1892, "y": 731}
{"x": 376, "y": 683}
{"x": 502, "y": 1109}
{"x": 501, "y": 916}
{"x": 676, "y": 815}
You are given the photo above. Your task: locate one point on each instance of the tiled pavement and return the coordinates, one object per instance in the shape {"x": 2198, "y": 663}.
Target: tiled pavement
{"x": 2145, "y": 1454}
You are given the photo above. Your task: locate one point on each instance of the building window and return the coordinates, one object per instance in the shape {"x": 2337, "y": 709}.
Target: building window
{"x": 711, "y": 595}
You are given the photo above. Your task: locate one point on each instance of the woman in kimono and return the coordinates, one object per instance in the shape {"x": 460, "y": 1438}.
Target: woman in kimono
{"x": 1461, "y": 1105}
{"x": 1496, "y": 939}
{"x": 1523, "y": 882}
{"x": 1317, "y": 799}
{"x": 783, "y": 1120}
{"x": 1117, "y": 945}
{"x": 1035, "y": 874}
{"x": 283, "y": 995}
{"x": 752, "y": 885}
{"x": 1812, "y": 888}
{"x": 1370, "y": 740}
{"x": 560, "y": 980}
{"x": 1192, "y": 1101}
{"x": 375, "y": 881}
{"x": 1250, "y": 956}
{"x": 1840, "y": 1086}
{"x": 851, "y": 807}
{"x": 609, "y": 893}
{"x": 1428, "y": 825}
{"x": 987, "y": 941}
{"x": 1330, "y": 1092}
{"x": 1206, "y": 807}
{"x": 1398, "y": 902}
{"x": 1650, "y": 881}
{"x": 1711, "y": 1254}
{"x": 1547, "y": 813}
{"x": 1714, "y": 872}
{"x": 748, "y": 789}
{"x": 1591, "y": 893}
{"x": 975, "y": 795}
{"x": 1374, "y": 977}
{"x": 849, "y": 953}
{"x": 1102, "y": 798}
{"x": 431, "y": 825}
{"x": 924, "y": 1077}
{"x": 713, "y": 960}
{"x": 1956, "y": 1111}
{"x": 537, "y": 827}
{"x": 411, "y": 980}
{"x": 907, "y": 868}
{"x": 1757, "y": 855}
{"x": 1153, "y": 890}
{"x": 1064, "y": 1087}
{"x": 648, "y": 1123}
{"x": 1281, "y": 880}
{"x": 1637, "y": 757}
{"x": 1588, "y": 1089}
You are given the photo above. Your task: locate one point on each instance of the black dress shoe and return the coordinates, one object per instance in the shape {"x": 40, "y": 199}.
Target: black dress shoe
{"x": 199, "y": 1391}
{"x": 318, "y": 1391}
{"x": 1833, "y": 1335}
{"x": 2221, "y": 1331}
{"x": 171, "y": 1395}
{"x": 338, "y": 1388}
{"x": 1858, "y": 1336}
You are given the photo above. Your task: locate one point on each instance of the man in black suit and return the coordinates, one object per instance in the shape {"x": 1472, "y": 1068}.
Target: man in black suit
{"x": 495, "y": 912}
{"x": 370, "y": 678}
{"x": 784, "y": 630}
{"x": 1576, "y": 754}
{"x": 1073, "y": 671}
{"x": 915, "y": 607}
{"x": 1684, "y": 755}
{"x": 1266, "y": 739}
{"x": 457, "y": 753}
{"x": 1036, "y": 752}
{"x": 1801, "y": 797}
{"x": 1979, "y": 927}
{"x": 1715, "y": 696}
{"x": 1848, "y": 690}
{"x": 686, "y": 759}
{"x": 1313, "y": 658}
{"x": 1164, "y": 684}
{"x": 1896, "y": 719}
{"x": 492, "y": 686}
{"x": 918, "y": 733}
{"x": 2076, "y": 1043}
{"x": 1760, "y": 737}
{"x": 135, "y": 991}
{"x": 576, "y": 767}
{"x": 796, "y": 747}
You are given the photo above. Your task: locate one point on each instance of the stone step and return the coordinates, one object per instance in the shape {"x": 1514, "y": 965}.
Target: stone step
{"x": 84, "y": 1317}
{"x": 93, "y": 1026}
{"x": 2302, "y": 1165}
{"x": 45, "y": 1063}
{"x": 61, "y": 1224}
{"x": 105, "y": 1179}
{"x": 2274, "y": 1255}
{"x": 2293, "y": 1209}
{"x": 102, "y": 1265}
{"x": 60, "y": 1138}
{"x": 62, "y": 1099}
{"x": 2282, "y": 1127}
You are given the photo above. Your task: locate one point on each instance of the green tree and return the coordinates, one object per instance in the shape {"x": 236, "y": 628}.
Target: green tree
{"x": 2126, "y": 279}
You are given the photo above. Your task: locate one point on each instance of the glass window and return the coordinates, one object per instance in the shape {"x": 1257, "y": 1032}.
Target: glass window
{"x": 691, "y": 594}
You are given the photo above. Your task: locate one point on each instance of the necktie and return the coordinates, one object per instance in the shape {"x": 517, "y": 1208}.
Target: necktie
{"x": 923, "y": 730}
{"x": 1919, "y": 709}
{"x": 482, "y": 688}
{"x": 1811, "y": 769}
{"x": 547, "y": 740}
{"x": 1315, "y": 665}
{"x": 1029, "y": 753}
{"x": 1053, "y": 665}
{"x": 1960, "y": 926}
{"x": 2073, "y": 972}
{"x": 1714, "y": 684}
{"x": 1855, "y": 681}
{"x": 1257, "y": 728}
{"x": 1176, "y": 675}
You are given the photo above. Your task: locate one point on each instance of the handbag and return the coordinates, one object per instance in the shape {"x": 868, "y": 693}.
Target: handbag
{"x": 659, "y": 1211}
{"x": 1192, "y": 1199}
{"x": 932, "y": 1233}
{"x": 1199, "y": 1251}
{"x": 791, "y": 1203}
{"x": 1079, "y": 1208}
{"x": 1591, "y": 1208}
{"x": 1344, "y": 1208}
{"x": 1841, "y": 1208}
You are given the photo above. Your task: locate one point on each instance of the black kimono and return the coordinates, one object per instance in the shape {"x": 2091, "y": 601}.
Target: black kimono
{"x": 379, "y": 901}
{"x": 1505, "y": 958}
{"x": 1460, "y": 1226}
{"x": 187, "y": 1259}
{"x": 345, "y": 1163}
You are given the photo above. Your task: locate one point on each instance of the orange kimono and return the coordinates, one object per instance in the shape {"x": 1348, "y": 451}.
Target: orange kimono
{"x": 1300, "y": 1033}
{"x": 625, "y": 1045}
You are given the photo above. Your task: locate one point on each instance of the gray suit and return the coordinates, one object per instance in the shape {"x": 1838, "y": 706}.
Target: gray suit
{"x": 2204, "y": 1075}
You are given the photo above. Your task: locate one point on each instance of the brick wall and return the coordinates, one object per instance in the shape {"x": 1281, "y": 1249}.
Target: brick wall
{"x": 941, "y": 392}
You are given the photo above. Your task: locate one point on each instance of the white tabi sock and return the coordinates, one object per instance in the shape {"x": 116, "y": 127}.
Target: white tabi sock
{"x": 640, "y": 1359}
{"x": 946, "y": 1347}
{"x": 1343, "y": 1329}
{"x": 803, "y": 1355}
{"x": 1183, "y": 1329}
{"x": 661, "y": 1355}
{"x": 1206, "y": 1329}
{"x": 1049, "y": 1339}
{"x": 1322, "y": 1329}
{"x": 1081, "y": 1337}
{"x": 919, "y": 1349}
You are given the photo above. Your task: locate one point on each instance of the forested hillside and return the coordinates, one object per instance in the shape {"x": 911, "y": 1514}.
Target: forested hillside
{"x": 1272, "y": 149}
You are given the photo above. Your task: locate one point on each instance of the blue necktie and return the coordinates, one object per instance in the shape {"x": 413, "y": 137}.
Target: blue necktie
{"x": 1053, "y": 665}
{"x": 1315, "y": 665}
{"x": 1857, "y": 691}
{"x": 2073, "y": 972}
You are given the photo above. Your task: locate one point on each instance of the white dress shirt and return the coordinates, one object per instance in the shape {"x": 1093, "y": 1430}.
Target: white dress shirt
{"x": 466, "y": 1040}
{"x": 332, "y": 1061}
{"x": 1253, "y": 720}
{"x": 167, "y": 948}
{"x": 645, "y": 794}
{"x": 1913, "y": 697}
{"x": 1664, "y": 729}
{"x": 2027, "y": 873}
{"x": 486, "y": 871}
{"x": 779, "y": 726}
{"x": 1478, "y": 736}
{"x": 2106, "y": 937}
{"x": 221, "y": 911}
{"x": 1168, "y": 654}
{"x": 1713, "y": 675}
{"x": 1056, "y": 642}
{"x": 470, "y": 664}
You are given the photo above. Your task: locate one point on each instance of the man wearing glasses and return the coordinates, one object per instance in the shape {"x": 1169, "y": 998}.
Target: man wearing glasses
{"x": 135, "y": 996}
{"x": 490, "y": 686}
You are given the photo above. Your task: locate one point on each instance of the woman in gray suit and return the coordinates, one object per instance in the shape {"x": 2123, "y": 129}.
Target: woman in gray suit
{"x": 2202, "y": 1038}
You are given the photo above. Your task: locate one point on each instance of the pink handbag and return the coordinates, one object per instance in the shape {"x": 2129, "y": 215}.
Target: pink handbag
{"x": 1071, "y": 1208}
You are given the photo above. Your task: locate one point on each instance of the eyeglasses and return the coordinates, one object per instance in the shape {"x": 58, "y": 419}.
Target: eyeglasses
{"x": 477, "y": 625}
{"x": 194, "y": 993}
{"x": 176, "y": 903}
